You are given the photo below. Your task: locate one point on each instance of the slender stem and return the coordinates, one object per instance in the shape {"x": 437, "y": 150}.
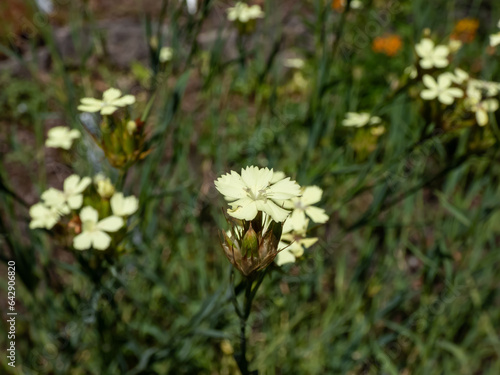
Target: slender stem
{"x": 251, "y": 287}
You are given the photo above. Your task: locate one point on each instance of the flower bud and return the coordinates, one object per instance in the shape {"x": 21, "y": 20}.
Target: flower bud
{"x": 253, "y": 245}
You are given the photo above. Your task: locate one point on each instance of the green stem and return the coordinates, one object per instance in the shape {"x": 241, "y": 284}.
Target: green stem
{"x": 251, "y": 287}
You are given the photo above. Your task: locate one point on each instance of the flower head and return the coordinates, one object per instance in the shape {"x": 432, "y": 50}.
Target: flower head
{"x": 389, "y": 45}
{"x": 303, "y": 206}
{"x": 294, "y": 63}
{"x": 359, "y": 120}
{"x": 254, "y": 191}
{"x": 70, "y": 198}
{"x": 112, "y": 99}
{"x": 104, "y": 186}
{"x": 465, "y": 30}
{"x": 122, "y": 206}
{"x": 43, "y": 216}
{"x": 251, "y": 246}
{"x": 61, "y": 137}
{"x": 440, "y": 89}
{"x": 166, "y": 54}
{"x": 432, "y": 55}
{"x": 495, "y": 39}
{"x": 479, "y": 105}
{"x": 293, "y": 243}
{"x": 243, "y": 13}
{"x": 94, "y": 231}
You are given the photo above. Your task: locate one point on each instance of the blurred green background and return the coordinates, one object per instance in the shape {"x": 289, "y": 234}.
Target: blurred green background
{"x": 404, "y": 279}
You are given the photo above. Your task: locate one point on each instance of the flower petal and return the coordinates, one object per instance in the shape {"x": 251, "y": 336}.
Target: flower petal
{"x": 111, "y": 94}
{"x": 110, "y": 224}
{"x": 284, "y": 257}
{"x": 231, "y": 186}
{"x": 284, "y": 189}
{"x": 317, "y": 214}
{"x": 100, "y": 240}
{"x": 277, "y": 213}
{"x": 82, "y": 241}
{"x": 108, "y": 110}
{"x": 246, "y": 209}
{"x": 124, "y": 101}
{"x": 75, "y": 201}
{"x": 89, "y": 214}
{"x": 311, "y": 195}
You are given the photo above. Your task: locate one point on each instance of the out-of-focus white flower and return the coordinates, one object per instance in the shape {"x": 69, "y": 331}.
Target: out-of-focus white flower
{"x": 253, "y": 191}
{"x": 61, "y": 137}
{"x": 192, "y": 6}
{"x": 104, "y": 186}
{"x": 440, "y": 89}
{"x": 94, "y": 231}
{"x": 293, "y": 244}
{"x": 495, "y": 39}
{"x": 411, "y": 71}
{"x": 112, "y": 99}
{"x": 377, "y": 130}
{"x": 243, "y": 13}
{"x": 431, "y": 55}
{"x": 294, "y": 63}
{"x": 454, "y": 45}
{"x": 359, "y": 120}
{"x": 166, "y": 54}
{"x": 303, "y": 206}
{"x": 480, "y": 106}
{"x": 490, "y": 88}
{"x": 122, "y": 206}
{"x": 356, "y": 4}
{"x": 459, "y": 76}
{"x": 70, "y": 198}
{"x": 43, "y": 216}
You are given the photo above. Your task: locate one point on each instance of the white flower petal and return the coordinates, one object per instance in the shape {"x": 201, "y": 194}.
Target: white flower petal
{"x": 111, "y": 94}
{"x": 311, "y": 195}
{"x": 100, "y": 240}
{"x": 284, "y": 257}
{"x": 89, "y": 214}
{"x": 110, "y": 224}
{"x": 75, "y": 201}
{"x": 82, "y": 241}
{"x": 317, "y": 214}
{"x": 284, "y": 189}
{"x": 108, "y": 110}
{"x": 246, "y": 210}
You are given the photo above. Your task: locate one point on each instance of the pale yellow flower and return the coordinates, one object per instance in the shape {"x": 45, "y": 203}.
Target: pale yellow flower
{"x": 43, "y": 216}
{"x": 70, "y": 198}
{"x": 112, "y": 99}
{"x": 293, "y": 243}
{"x": 303, "y": 206}
{"x": 253, "y": 191}
{"x": 359, "y": 120}
{"x": 94, "y": 231}
{"x": 495, "y": 39}
{"x": 480, "y": 106}
{"x": 431, "y": 55}
{"x": 123, "y": 206}
{"x": 243, "y": 13}
{"x": 61, "y": 137}
{"x": 440, "y": 89}
{"x": 294, "y": 63}
{"x": 104, "y": 186}
{"x": 166, "y": 54}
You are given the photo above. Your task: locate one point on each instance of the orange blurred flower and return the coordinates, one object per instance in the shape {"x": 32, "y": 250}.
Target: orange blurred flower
{"x": 465, "y": 30}
{"x": 388, "y": 44}
{"x": 338, "y": 5}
